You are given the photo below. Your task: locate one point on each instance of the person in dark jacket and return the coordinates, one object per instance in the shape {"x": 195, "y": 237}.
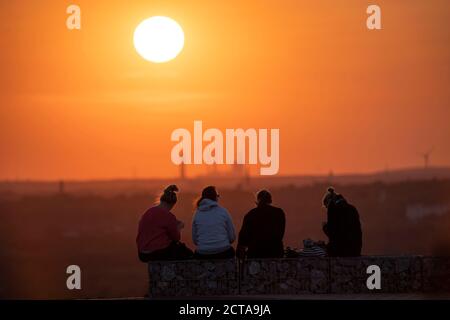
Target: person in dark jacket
{"x": 262, "y": 231}
{"x": 343, "y": 227}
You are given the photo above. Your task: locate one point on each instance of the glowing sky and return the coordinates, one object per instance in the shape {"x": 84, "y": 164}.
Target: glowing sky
{"x": 83, "y": 104}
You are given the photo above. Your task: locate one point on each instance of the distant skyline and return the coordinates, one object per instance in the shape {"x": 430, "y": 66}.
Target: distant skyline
{"x": 82, "y": 104}
{"x": 405, "y": 173}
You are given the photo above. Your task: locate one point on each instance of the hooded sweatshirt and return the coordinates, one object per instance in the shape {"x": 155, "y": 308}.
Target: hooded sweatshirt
{"x": 212, "y": 228}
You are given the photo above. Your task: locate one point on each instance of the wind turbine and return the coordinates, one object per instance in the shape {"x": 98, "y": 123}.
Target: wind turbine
{"x": 426, "y": 157}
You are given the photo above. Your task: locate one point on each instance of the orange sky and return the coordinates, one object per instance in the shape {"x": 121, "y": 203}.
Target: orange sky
{"x": 83, "y": 104}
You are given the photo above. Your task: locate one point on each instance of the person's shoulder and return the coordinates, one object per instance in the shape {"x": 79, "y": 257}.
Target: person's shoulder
{"x": 157, "y": 213}
{"x": 221, "y": 210}
{"x": 277, "y": 210}
{"x": 150, "y": 211}
{"x": 145, "y": 216}
{"x": 197, "y": 214}
{"x": 352, "y": 208}
{"x": 252, "y": 211}
{"x": 165, "y": 214}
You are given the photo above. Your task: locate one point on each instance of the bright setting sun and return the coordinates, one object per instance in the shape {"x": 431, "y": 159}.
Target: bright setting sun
{"x": 158, "y": 39}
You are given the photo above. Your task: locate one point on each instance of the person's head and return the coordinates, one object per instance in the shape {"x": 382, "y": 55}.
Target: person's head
{"x": 210, "y": 193}
{"x": 169, "y": 197}
{"x": 330, "y": 197}
{"x": 263, "y": 197}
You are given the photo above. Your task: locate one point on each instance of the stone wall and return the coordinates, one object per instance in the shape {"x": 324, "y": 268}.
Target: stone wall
{"x": 193, "y": 278}
{"x": 401, "y": 274}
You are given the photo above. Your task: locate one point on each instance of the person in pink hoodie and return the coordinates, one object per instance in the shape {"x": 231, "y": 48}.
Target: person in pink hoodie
{"x": 159, "y": 230}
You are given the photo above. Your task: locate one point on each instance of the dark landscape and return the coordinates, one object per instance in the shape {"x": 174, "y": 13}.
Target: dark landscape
{"x": 41, "y": 233}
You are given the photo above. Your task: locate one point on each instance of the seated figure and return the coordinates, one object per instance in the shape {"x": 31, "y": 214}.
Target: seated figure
{"x": 262, "y": 231}
{"x": 159, "y": 235}
{"x": 343, "y": 227}
{"x": 212, "y": 228}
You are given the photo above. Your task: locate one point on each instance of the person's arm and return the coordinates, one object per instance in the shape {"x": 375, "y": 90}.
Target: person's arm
{"x": 230, "y": 227}
{"x": 180, "y": 225}
{"x": 331, "y": 225}
{"x": 243, "y": 239}
{"x": 325, "y": 228}
{"x": 358, "y": 228}
{"x": 243, "y": 234}
{"x": 282, "y": 224}
{"x": 172, "y": 228}
{"x": 139, "y": 234}
{"x": 194, "y": 230}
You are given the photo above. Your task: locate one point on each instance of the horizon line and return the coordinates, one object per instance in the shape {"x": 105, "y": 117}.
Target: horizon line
{"x": 225, "y": 177}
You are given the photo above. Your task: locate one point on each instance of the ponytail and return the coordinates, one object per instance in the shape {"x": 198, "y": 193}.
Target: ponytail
{"x": 329, "y": 196}
{"x": 169, "y": 195}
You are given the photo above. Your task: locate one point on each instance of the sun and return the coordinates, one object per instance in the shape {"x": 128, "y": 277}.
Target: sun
{"x": 158, "y": 39}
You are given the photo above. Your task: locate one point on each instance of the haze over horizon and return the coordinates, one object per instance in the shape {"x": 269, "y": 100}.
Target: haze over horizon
{"x": 390, "y": 174}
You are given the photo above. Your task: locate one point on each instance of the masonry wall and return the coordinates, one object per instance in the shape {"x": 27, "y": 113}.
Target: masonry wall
{"x": 400, "y": 274}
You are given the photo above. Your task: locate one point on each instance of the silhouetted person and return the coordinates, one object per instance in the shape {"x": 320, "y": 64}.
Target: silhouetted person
{"x": 159, "y": 231}
{"x": 343, "y": 227}
{"x": 212, "y": 228}
{"x": 262, "y": 230}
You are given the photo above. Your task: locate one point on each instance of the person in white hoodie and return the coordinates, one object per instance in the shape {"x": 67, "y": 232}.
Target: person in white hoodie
{"x": 212, "y": 228}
